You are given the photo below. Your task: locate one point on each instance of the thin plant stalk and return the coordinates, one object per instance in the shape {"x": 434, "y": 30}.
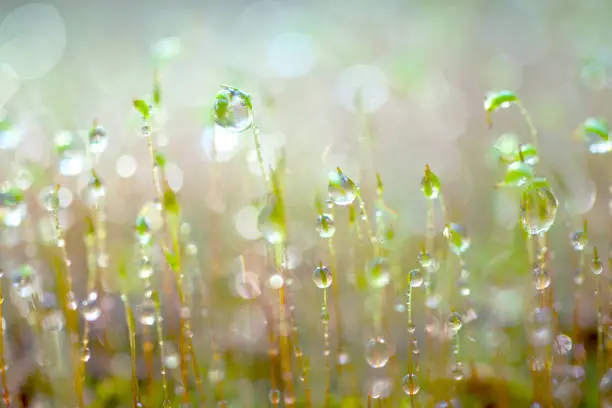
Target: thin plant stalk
{"x": 157, "y": 182}
{"x": 129, "y": 316}
{"x": 6, "y": 396}
{"x": 326, "y": 349}
{"x": 71, "y": 318}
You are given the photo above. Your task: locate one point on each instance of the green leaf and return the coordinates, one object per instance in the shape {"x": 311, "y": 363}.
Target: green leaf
{"x": 499, "y": 99}
{"x": 518, "y": 174}
{"x": 173, "y": 260}
{"x": 156, "y": 90}
{"x": 5, "y": 125}
{"x": 142, "y": 107}
{"x": 160, "y": 160}
{"x": 171, "y": 204}
{"x": 597, "y": 126}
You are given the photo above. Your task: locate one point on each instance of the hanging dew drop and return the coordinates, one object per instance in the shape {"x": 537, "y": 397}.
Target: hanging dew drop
{"x": 322, "y": 277}
{"x": 341, "y": 189}
{"x": 89, "y": 308}
{"x": 86, "y": 355}
{"x": 233, "y": 109}
{"x": 325, "y": 226}
{"x": 579, "y": 240}
{"x": 495, "y": 100}
{"x": 538, "y": 209}
{"x": 147, "y": 312}
{"x": 455, "y": 321}
{"x": 379, "y": 273}
{"x": 377, "y": 352}
{"x": 542, "y": 279}
{"x": 145, "y": 268}
{"x": 143, "y": 230}
{"x": 415, "y": 278}
{"x": 596, "y": 133}
{"x": 95, "y": 189}
{"x": 98, "y": 140}
{"x": 458, "y": 241}
{"x": 410, "y": 384}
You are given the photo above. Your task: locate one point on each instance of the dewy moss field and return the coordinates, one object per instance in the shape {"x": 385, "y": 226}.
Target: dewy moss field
{"x": 174, "y": 302}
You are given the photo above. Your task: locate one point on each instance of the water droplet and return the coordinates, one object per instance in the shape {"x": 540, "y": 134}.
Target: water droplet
{"x": 596, "y": 133}
{"x": 597, "y": 267}
{"x": 457, "y": 371}
{"x": 274, "y": 396}
{"x": 343, "y": 358}
{"x": 143, "y": 230}
{"x": 71, "y": 302}
{"x": 145, "y": 268}
{"x": 341, "y": 189}
{"x": 233, "y": 109}
{"x": 541, "y": 279}
{"x": 325, "y": 226}
{"x": 377, "y": 352}
{"x": 26, "y": 282}
{"x": 276, "y": 281}
{"x": 538, "y": 209}
{"x": 563, "y": 344}
{"x": 98, "y": 139}
{"x": 379, "y": 273}
{"x": 415, "y": 278}
{"x": 458, "y": 241}
{"x": 430, "y": 184}
{"x": 86, "y": 354}
{"x": 455, "y": 321}
{"x": 51, "y": 199}
{"x": 324, "y": 315}
{"x": 95, "y": 189}
{"x": 147, "y": 311}
{"x": 89, "y": 308}
{"x": 579, "y": 240}
{"x": 322, "y": 277}
{"x": 410, "y": 384}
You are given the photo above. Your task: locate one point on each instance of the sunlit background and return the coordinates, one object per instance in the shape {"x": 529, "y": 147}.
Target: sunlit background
{"x": 369, "y": 86}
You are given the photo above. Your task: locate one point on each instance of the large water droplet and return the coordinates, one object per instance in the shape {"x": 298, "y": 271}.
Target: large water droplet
{"x": 538, "y": 209}
{"x": 233, "y": 109}
{"x": 458, "y": 241}
{"x": 322, "y": 277}
{"x": 377, "y": 352}
{"x": 95, "y": 190}
{"x": 379, "y": 273}
{"x": 410, "y": 384}
{"x": 143, "y": 230}
{"x": 341, "y": 189}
